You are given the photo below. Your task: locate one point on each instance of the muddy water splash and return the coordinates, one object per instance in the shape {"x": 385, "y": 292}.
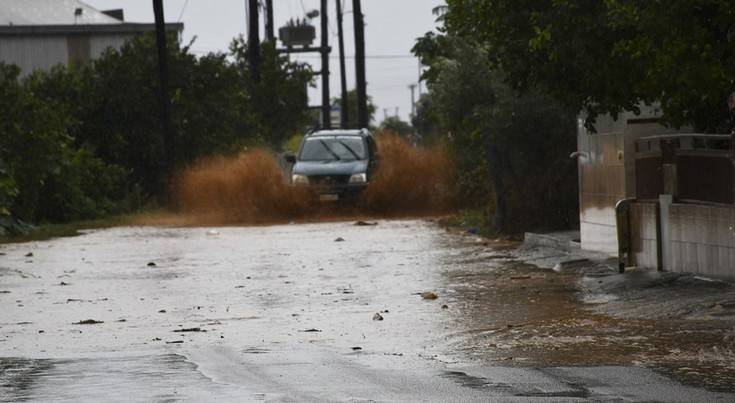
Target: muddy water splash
{"x": 247, "y": 188}
{"x": 250, "y": 188}
{"x": 411, "y": 180}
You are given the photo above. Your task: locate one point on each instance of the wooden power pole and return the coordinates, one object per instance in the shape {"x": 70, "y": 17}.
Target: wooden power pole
{"x": 254, "y": 40}
{"x": 269, "y": 29}
{"x": 326, "y": 106}
{"x": 362, "y": 112}
{"x": 168, "y": 140}
{"x": 344, "y": 104}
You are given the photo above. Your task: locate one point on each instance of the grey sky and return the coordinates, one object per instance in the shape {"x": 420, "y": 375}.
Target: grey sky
{"x": 392, "y": 27}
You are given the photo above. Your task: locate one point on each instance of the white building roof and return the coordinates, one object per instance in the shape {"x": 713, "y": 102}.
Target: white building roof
{"x": 51, "y": 12}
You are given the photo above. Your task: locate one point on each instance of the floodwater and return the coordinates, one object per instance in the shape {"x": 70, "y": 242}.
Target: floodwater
{"x": 289, "y": 313}
{"x": 252, "y": 188}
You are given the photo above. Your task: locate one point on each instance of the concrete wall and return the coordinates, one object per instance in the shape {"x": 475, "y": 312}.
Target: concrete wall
{"x": 644, "y": 235}
{"x": 702, "y": 240}
{"x": 695, "y": 238}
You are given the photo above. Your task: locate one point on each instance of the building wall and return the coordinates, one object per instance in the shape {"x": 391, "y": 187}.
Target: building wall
{"x": 33, "y": 52}
{"x": 602, "y": 185}
{"x": 43, "y": 52}
{"x": 607, "y": 173}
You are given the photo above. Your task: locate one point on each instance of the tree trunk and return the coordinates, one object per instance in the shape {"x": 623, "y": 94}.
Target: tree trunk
{"x": 494, "y": 158}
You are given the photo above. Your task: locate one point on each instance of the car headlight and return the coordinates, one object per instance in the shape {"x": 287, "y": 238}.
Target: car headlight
{"x": 297, "y": 179}
{"x": 358, "y": 178}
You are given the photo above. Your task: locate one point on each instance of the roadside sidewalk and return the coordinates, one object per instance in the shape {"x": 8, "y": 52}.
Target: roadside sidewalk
{"x": 635, "y": 294}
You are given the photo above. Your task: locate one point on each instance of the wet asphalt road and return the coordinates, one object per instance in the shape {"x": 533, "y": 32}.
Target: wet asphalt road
{"x": 281, "y": 313}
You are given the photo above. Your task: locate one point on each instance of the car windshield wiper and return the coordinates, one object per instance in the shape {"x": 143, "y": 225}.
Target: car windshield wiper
{"x": 329, "y": 149}
{"x": 357, "y": 157}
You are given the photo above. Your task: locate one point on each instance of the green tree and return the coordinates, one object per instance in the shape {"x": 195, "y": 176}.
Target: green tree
{"x": 509, "y": 147}
{"x": 352, "y": 108}
{"x": 279, "y": 102}
{"x": 424, "y": 118}
{"x": 396, "y": 125}
{"x": 609, "y": 56}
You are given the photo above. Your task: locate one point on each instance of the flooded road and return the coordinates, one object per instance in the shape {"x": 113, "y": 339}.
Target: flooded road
{"x": 314, "y": 312}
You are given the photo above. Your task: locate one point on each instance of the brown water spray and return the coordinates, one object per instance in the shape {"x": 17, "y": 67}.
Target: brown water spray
{"x": 250, "y": 188}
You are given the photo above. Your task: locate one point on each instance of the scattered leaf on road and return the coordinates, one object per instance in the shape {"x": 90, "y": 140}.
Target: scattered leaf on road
{"x": 29, "y": 254}
{"x": 340, "y": 239}
{"x": 63, "y": 283}
{"x": 429, "y": 295}
{"x": 377, "y": 316}
{"x": 88, "y": 322}
{"x": 191, "y": 329}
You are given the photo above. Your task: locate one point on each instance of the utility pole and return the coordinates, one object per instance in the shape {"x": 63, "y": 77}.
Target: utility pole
{"x": 412, "y": 87}
{"x": 254, "y": 40}
{"x": 362, "y": 112}
{"x": 326, "y": 107}
{"x": 168, "y": 140}
{"x": 345, "y": 114}
{"x": 269, "y": 30}
{"x": 420, "y": 73}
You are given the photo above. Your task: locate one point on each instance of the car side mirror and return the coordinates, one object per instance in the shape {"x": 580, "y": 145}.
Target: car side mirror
{"x": 290, "y": 158}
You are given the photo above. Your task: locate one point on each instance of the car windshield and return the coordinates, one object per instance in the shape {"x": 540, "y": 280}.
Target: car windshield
{"x": 333, "y": 149}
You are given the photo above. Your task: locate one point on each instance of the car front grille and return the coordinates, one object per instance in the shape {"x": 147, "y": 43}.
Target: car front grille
{"x": 329, "y": 180}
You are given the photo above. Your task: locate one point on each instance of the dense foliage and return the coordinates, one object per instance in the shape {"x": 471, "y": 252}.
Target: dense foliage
{"x": 83, "y": 142}
{"x": 394, "y": 124}
{"x": 511, "y": 148}
{"x": 607, "y": 56}
{"x": 352, "y": 108}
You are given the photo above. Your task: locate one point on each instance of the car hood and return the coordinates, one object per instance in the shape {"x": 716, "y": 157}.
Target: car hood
{"x": 310, "y": 168}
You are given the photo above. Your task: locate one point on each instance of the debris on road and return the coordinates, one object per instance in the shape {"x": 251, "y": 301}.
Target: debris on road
{"x": 63, "y": 283}
{"x": 445, "y": 307}
{"x": 29, "y": 254}
{"x": 340, "y": 239}
{"x": 4, "y": 292}
{"x": 377, "y": 316}
{"x": 366, "y": 224}
{"x": 189, "y": 330}
{"x": 162, "y": 311}
{"x": 520, "y": 277}
{"x": 175, "y": 342}
{"x": 429, "y": 295}
{"x": 356, "y": 348}
{"x": 88, "y": 322}
{"x": 152, "y": 264}
{"x": 212, "y": 232}
{"x": 310, "y": 331}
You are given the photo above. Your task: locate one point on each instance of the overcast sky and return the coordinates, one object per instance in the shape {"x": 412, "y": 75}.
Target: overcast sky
{"x": 392, "y": 28}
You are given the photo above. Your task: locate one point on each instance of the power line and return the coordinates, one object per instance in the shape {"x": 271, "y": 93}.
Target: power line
{"x": 378, "y": 57}
{"x": 183, "y": 9}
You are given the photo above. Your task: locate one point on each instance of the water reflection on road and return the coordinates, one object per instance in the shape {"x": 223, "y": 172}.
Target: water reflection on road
{"x": 286, "y": 313}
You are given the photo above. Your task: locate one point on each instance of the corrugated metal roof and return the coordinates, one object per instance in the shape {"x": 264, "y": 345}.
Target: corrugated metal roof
{"x": 51, "y": 12}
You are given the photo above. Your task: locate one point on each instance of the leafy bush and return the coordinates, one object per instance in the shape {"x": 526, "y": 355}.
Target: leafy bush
{"x": 83, "y": 142}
